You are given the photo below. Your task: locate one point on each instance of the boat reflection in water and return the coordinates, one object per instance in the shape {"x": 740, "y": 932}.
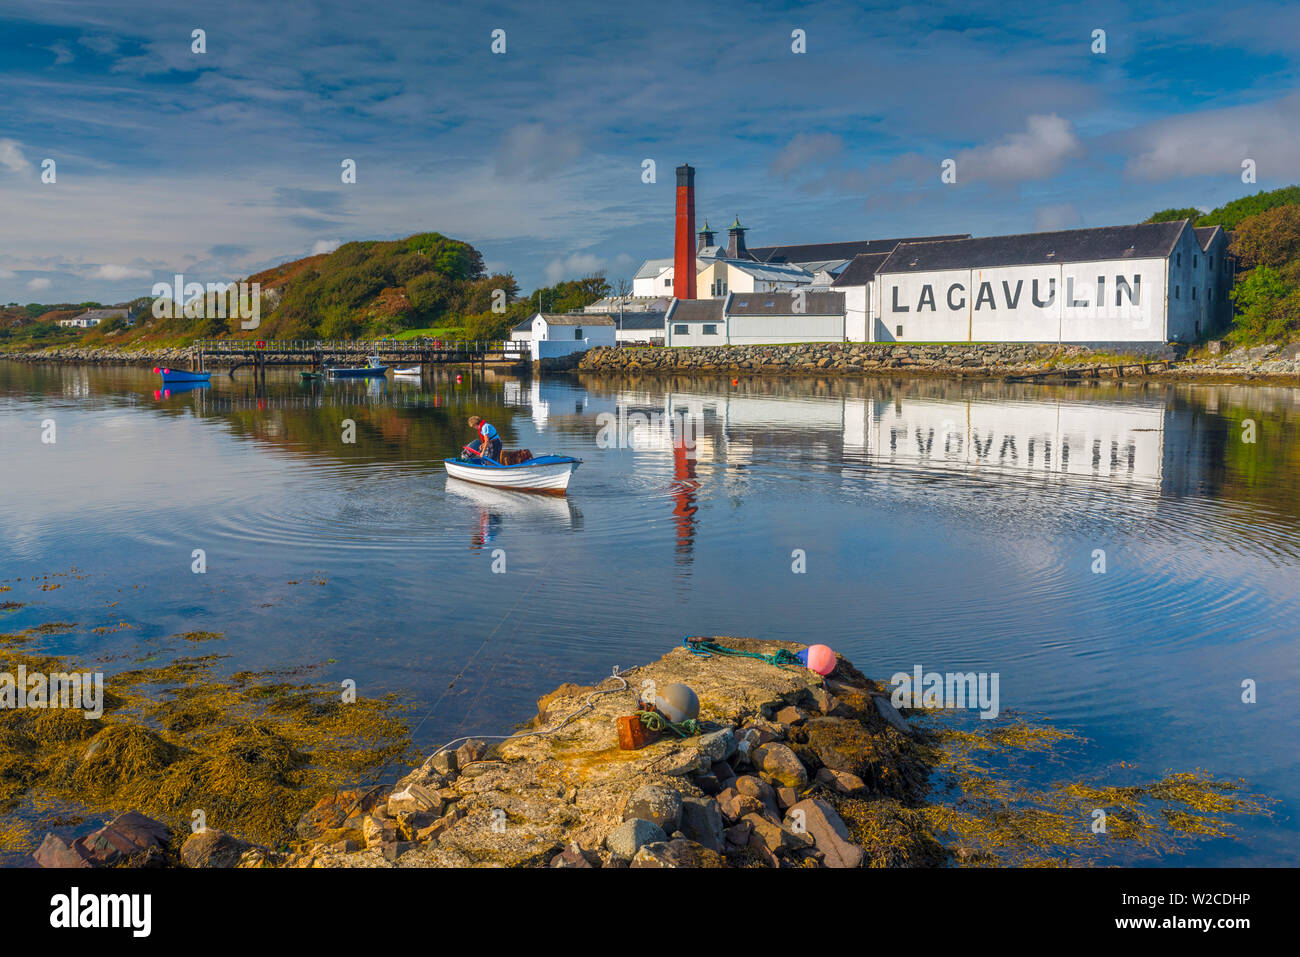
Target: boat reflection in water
{"x": 178, "y": 388}
{"x": 497, "y": 505}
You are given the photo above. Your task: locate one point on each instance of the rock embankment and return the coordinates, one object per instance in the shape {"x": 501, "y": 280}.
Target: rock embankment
{"x": 790, "y": 770}
{"x": 178, "y": 356}
{"x": 979, "y": 360}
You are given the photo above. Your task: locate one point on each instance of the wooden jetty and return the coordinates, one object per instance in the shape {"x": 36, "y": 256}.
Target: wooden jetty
{"x": 232, "y": 354}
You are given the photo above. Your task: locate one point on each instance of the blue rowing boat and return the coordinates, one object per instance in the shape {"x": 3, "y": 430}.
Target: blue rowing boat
{"x": 171, "y": 376}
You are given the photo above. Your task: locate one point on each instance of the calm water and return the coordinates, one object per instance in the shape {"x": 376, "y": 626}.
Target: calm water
{"x": 943, "y": 524}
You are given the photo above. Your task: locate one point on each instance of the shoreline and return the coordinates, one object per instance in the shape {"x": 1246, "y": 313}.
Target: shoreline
{"x": 1048, "y": 364}
{"x": 1015, "y": 362}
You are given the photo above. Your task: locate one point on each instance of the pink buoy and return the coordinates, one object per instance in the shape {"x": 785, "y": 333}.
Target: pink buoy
{"x": 818, "y": 658}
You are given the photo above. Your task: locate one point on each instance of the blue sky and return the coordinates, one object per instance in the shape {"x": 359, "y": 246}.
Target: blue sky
{"x": 222, "y": 163}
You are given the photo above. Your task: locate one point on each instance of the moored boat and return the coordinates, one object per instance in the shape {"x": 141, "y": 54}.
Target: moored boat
{"x": 543, "y": 473}
{"x": 407, "y": 370}
{"x": 170, "y": 376}
{"x": 355, "y": 371}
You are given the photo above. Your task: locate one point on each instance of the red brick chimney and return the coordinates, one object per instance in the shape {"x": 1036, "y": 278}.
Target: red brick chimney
{"x": 684, "y": 248}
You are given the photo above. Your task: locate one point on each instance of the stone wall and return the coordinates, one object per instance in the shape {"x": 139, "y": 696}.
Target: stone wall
{"x": 843, "y": 358}
{"x": 80, "y": 355}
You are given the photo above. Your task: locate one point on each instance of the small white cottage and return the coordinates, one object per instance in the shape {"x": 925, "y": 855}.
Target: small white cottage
{"x": 564, "y": 334}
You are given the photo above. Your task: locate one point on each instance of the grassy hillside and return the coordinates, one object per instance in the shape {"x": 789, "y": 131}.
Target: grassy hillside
{"x": 361, "y": 290}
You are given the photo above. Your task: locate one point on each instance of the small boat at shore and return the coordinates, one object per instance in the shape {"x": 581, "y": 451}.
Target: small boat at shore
{"x": 549, "y": 474}
{"x": 408, "y": 370}
{"x": 171, "y": 376}
{"x": 374, "y": 367}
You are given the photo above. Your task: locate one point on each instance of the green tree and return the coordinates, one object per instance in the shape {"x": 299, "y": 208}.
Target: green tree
{"x": 1268, "y": 307}
{"x": 1270, "y": 238}
{"x": 1173, "y": 215}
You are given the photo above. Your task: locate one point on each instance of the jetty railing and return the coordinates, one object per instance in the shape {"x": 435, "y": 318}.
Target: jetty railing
{"x": 261, "y": 353}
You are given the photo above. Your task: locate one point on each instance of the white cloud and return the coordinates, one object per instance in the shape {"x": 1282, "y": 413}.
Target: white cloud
{"x": 325, "y": 246}
{"x": 572, "y": 266}
{"x": 61, "y": 53}
{"x": 1217, "y": 141}
{"x": 38, "y": 284}
{"x": 113, "y": 272}
{"x": 1037, "y": 153}
{"x": 11, "y": 157}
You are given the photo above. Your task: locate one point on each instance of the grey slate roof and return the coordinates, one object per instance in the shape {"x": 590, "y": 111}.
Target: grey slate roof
{"x": 1205, "y": 234}
{"x": 782, "y": 304}
{"x": 101, "y": 314}
{"x": 696, "y": 310}
{"x": 861, "y": 271}
{"x": 641, "y": 320}
{"x": 576, "y": 319}
{"x": 828, "y": 252}
{"x": 1141, "y": 241}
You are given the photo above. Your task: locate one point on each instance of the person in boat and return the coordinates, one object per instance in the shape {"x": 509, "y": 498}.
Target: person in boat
{"x": 489, "y": 442}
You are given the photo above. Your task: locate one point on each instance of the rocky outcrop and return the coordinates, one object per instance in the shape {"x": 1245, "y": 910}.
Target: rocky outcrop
{"x": 748, "y": 790}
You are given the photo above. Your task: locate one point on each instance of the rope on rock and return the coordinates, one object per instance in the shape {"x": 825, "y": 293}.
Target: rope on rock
{"x": 707, "y": 649}
{"x": 657, "y": 722}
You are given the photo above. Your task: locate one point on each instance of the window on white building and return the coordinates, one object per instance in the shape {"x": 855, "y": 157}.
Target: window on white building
{"x": 898, "y": 331}
{"x": 679, "y": 330}
{"x": 710, "y": 330}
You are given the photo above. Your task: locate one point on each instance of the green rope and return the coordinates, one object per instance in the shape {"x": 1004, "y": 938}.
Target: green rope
{"x": 657, "y": 722}
{"x": 707, "y": 649}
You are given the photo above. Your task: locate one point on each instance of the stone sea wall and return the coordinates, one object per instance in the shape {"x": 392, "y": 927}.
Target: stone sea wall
{"x": 978, "y": 360}
{"x": 841, "y": 358}
{"x": 80, "y": 355}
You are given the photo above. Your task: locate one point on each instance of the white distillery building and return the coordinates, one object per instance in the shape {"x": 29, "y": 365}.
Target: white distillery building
{"x": 1147, "y": 283}
{"x": 564, "y": 334}
{"x": 743, "y": 318}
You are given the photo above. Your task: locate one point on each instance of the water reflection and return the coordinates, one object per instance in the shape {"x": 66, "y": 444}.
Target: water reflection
{"x": 951, "y": 523}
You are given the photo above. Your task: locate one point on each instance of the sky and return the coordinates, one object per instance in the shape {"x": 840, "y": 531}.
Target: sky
{"x": 220, "y": 163}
